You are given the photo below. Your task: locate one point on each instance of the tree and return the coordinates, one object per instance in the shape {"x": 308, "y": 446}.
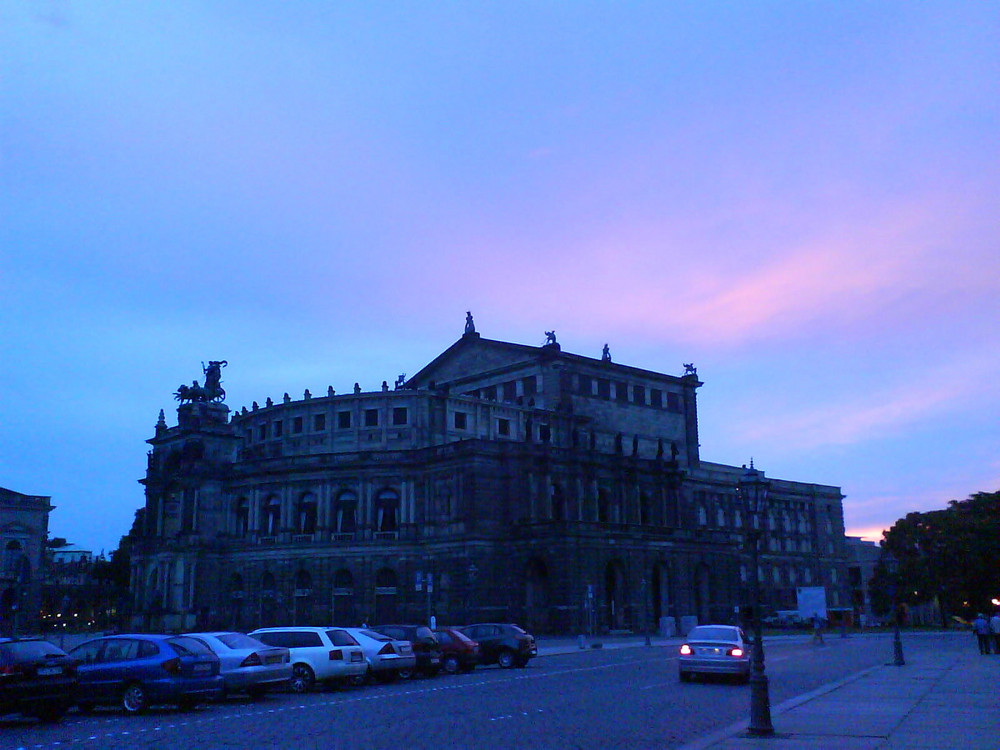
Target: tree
{"x": 950, "y": 554}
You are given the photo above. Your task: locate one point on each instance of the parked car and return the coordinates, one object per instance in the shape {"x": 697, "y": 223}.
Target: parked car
{"x": 386, "y": 656}
{"x": 36, "y": 678}
{"x": 715, "y": 650}
{"x": 247, "y": 665}
{"x": 502, "y": 643}
{"x": 139, "y": 670}
{"x": 458, "y": 651}
{"x": 318, "y": 654}
{"x": 425, "y": 647}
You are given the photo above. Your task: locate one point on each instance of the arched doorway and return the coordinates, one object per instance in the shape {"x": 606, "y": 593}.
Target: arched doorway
{"x": 268, "y": 600}
{"x": 536, "y": 596}
{"x": 616, "y": 594}
{"x": 302, "y": 596}
{"x": 662, "y": 599}
{"x": 237, "y": 593}
{"x": 703, "y": 593}
{"x": 344, "y": 610}
{"x": 385, "y": 596}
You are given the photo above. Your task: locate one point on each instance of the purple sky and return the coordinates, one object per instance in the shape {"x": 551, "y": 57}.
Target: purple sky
{"x": 803, "y": 199}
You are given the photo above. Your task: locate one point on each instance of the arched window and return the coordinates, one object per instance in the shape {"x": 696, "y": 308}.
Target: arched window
{"x": 305, "y": 516}
{"x": 702, "y": 516}
{"x": 387, "y": 511}
{"x": 603, "y": 514}
{"x": 241, "y": 513}
{"x": 558, "y": 503}
{"x": 11, "y": 557}
{"x": 271, "y": 512}
{"x": 346, "y": 513}
{"x": 720, "y": 517}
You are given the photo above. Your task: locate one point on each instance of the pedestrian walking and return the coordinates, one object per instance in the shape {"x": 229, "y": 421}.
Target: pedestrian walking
{"x": 995, "y": 631}
{"x": 981, "y": 627}
{"x": 817, "y": 623}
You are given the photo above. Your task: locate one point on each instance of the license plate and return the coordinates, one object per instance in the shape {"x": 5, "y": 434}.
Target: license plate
{"x": 274, "y": 659}
{"x": 47, "y": 671}
{"x": 435, "y": 660}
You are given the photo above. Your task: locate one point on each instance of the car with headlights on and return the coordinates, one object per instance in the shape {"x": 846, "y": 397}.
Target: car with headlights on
{"x": 318, "y": 654}
{"x": 386, "y": 656}
{"x": 715, "y": 650}
{"x": 247, "y": 665}
{"x": 135, "y": 671}
{"x": 36, "y": 678}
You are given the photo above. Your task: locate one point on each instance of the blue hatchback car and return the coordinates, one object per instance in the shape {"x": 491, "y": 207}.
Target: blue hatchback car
{"x": 135, "y": 671}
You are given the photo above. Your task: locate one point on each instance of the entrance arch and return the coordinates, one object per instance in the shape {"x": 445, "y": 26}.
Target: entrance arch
{"x": 536, "y": 596}
{"x": 616, "y": 594}
{"x": 385, "y": 595}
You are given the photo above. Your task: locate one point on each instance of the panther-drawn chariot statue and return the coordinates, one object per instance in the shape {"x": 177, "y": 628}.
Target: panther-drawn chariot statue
{"x": 211, "y": 392}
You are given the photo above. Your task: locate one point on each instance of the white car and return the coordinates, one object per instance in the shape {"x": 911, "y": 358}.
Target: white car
{"x": 385, "y": 656}
{"x": 715, "y": 650}
{"x": 247, "y": 665}
{"x": 326, "y": 655}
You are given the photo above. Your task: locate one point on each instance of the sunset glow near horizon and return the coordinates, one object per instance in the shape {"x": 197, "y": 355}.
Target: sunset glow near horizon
{"x": 801, "y": 199}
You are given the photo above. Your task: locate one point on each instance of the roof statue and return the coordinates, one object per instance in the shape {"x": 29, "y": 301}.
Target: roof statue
{"x": 212, "y": 390}
{"x": 690, "y": 369}
{"x": 470, "y": 326}
{"x": 550, "y": 338}
{"x": 606, "y": 354}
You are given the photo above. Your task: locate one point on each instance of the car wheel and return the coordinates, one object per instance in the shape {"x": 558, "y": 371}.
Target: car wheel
{"x": 450, "y": 664}
{"x": 404, "y": 674}
{"x": 506, "y": 659}
{"x": 133, "y": 698}
{"x": 358, "y": 680}
{"x": 303, "y": 679}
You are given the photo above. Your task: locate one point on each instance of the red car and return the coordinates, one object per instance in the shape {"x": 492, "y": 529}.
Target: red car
{"x": 458, "y": 651}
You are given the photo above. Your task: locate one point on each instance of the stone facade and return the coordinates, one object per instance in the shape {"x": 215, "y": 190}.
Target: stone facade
{"x": 524, "y": 483}
{"x": 24, "y": 531}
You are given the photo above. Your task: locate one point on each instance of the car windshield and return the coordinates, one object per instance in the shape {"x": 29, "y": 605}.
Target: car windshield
{"x": 25, "y": 650}
{"x": 189, "y": 646}
{"x": 238, "y": 640}
{"x": 712, "y": 633}
{"x": 375, "y": 636}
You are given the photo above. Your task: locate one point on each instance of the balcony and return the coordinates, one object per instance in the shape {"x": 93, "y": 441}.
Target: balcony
{"x": 385, "y": 535}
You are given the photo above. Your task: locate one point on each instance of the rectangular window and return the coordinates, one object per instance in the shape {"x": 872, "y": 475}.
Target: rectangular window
{"x": 262, "y": 432}
{"x": 503, "y": 427}
{"x": 603, "y": 388}
{"x": 621, "y": 392}
{"x": 400, "y": 415}
{"x": 510, "y": 391}
{"x": 673, "y": 402}
{"x": 249, "y": 436}
{"x": 371, "y": 417}
{"x": 544, "y": 433}
{"x": 279, "y": 428}
{"x": 530, "y": 385}
{"x": 461, "y": 420}
{"x": 639, "y": 395}
{"x": 656, "y": 398}
{"x": 297, "y": 425}
{"x": 583, "y": 385}
{"x": 490, "y": 393}
{"x": 344, "y": 420}
{"x": 319, "y": 422}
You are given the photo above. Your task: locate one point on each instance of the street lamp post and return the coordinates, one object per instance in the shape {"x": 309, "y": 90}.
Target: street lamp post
{"x": 753, "y": 489}
{"x": 892, "y": 567}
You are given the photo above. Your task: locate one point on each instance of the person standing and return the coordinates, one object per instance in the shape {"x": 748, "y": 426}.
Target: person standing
{"x": 817, "y": 623}
{"x": 981, "y": 628}
{"x": 995, "y": 628}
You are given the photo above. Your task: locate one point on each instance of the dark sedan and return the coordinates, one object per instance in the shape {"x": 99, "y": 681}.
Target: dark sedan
{"x": 36, "y": 679}
{"x": 137, "y": 671}
{"x": 425, "y": 647}
{"x": 505, "y": 644}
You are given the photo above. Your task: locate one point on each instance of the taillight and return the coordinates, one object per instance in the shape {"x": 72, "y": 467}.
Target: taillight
{"x": 252, "y": 661}
{"x": 386, "y": 649}
{"x": 11, "y": 669}
{"x": 736, "y": 652}
{"x": 685, "y": 650}
{"x": 336, "y": 655}
{"x": 173, "y": 666}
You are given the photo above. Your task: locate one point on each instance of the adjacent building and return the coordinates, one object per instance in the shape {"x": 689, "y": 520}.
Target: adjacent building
{"x": 24, "y": 531}
{"x": 501, "y": 482}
